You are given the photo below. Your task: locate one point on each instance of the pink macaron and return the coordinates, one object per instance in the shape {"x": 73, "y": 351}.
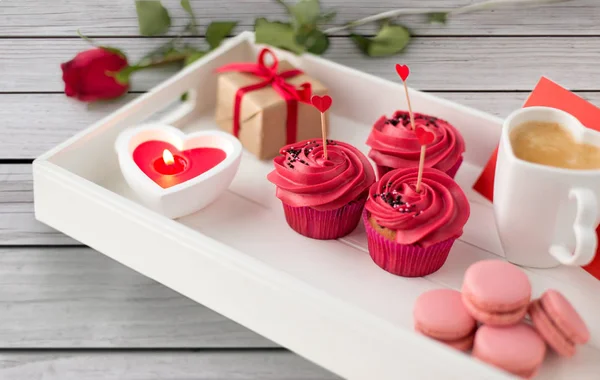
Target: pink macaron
{"x": 496, "y": 293}
{"x": 517, "y": 349}
{"x": 440, "y": 314}
{"x": 558, "y": 323}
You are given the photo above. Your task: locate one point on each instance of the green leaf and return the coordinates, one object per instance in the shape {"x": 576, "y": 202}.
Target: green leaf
{"x": 276, "y": 34}
{"x": 185, "y": 4}
{"x": 439, "y": 17}
{"x": 391, "y": 39}
{"x": 193, "y": 57}
{"x": 217, "y": 31}
{"x": 107, "y": 48}
{"x": 361, "y": 42}
{"x": 306, "y": 12}
{"x": 316, "y": 42}
{"x": 192, "y": 25}
{"x": 303, "y": 32}
{"x": 153, "y": 18}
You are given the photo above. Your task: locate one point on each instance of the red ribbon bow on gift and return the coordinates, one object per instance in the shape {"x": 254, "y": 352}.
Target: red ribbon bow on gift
{"x": 288, "y": 92}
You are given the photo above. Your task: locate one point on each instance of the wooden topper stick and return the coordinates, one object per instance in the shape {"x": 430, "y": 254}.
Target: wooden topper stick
{"x": 425, "y": 137}
{"x": 324, "y": 133}
{"x": 403, "y": 71}
{"x": 421, "y": 167}
{"x": 410, "y": 112}
{"x": 322, "y": 103}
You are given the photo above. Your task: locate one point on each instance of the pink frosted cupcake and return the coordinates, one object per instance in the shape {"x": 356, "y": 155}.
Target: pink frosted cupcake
{"x": 322, "y": 199}
{"x": 410, "y": 234}
{"x": 394, "y": 144}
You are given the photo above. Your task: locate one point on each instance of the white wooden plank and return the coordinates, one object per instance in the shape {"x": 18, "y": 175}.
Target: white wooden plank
{"x": 20, "y": 228}
{"x": 16, "y": 185}
{"x": 159, "y": 366}
{"x": 115, "y": 17}
{"x": 449, "y": 64}
{"x": 76, "y": 297}
{"x": 263, "y": 365}
{"x": 17, "y": 223}
{"x": 34, "y": 123}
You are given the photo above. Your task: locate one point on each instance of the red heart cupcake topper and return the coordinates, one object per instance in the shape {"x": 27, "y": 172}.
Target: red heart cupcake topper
{"x": 424, "y": 136}
{"x": 322, "y": 103}
{"x": 402, "y": 71}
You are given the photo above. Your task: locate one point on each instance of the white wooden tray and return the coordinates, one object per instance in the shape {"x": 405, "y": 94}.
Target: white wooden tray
{"x": 325, "y": 300}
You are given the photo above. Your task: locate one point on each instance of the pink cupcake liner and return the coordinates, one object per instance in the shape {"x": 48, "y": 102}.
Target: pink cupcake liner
{"x": 325, "y": 225}
{"x": 405, "y": 260}
{"x": 381, "y": 170}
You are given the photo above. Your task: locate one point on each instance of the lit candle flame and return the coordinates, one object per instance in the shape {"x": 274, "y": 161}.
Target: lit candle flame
{"x": 168, "y": 157}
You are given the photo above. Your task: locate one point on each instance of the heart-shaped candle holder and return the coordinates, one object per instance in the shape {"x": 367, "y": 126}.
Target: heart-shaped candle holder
{"x": 177, "y": 174}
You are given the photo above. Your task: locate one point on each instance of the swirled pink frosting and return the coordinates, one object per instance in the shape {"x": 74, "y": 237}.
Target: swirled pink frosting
{"x": 394, "y": 144}
{"x": 304, "y": 178}
{"x": 437, "y": 213}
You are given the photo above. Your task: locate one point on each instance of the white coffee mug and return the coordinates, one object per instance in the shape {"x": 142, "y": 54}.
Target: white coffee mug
{"x": 546, "y": 215}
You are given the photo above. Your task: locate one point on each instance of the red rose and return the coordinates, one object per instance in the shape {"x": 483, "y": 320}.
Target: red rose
{"x": 88, "y": 76}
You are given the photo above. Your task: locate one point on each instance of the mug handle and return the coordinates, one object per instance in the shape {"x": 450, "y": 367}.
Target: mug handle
{"x": 584, "y": 227}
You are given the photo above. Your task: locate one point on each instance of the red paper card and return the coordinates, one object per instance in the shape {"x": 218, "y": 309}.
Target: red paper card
{"x": 549, "y": 94}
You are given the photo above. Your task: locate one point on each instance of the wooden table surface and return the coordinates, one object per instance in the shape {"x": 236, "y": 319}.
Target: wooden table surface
{"x": 68, "y": 312}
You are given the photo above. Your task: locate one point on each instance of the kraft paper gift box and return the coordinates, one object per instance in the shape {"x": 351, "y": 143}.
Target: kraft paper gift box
{"x": 267, "y": 121}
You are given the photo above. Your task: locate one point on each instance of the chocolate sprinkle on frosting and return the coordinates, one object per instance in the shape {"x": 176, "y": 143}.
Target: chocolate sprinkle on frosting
{"x": 405, "y": 118}
{"x": 293, "y": 153}
{"x": 391, "y": 199}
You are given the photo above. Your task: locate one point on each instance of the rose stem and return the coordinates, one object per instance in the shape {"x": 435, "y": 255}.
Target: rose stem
{"x": 324, "y": 133}
{"x": 421, "y": 167}
{"x": 410, "y": 112}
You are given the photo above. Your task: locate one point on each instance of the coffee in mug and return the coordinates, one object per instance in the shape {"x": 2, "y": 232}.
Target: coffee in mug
{"x": 547, "y": 189}
{"x": 551, "y": 144}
